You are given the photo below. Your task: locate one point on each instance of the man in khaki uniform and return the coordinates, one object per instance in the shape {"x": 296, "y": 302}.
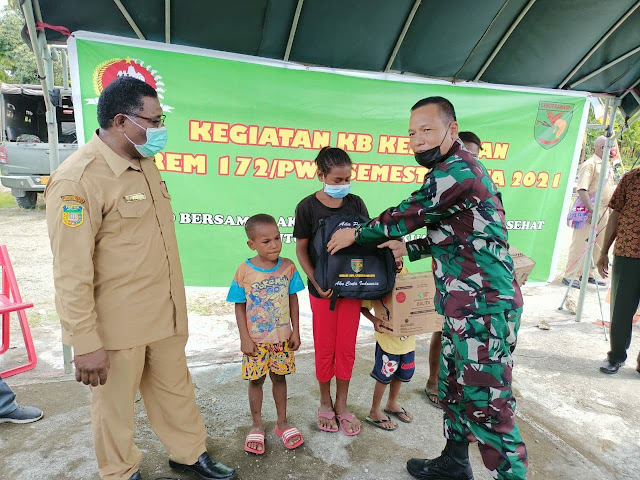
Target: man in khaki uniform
{"x": 587, "y": 186}
{"x": 119, "y": 288}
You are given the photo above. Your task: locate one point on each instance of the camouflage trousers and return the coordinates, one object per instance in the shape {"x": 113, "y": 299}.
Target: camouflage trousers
{"x": 475, "y": 389}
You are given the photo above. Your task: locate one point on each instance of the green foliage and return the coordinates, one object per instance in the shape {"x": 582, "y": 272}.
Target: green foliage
{"x": 630, "y": 145}
{"x": 17, "y": 61}
{"x": 629, "y": 141}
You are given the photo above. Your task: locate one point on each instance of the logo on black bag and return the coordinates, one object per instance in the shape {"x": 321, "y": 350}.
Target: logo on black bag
{"x": 357, "y": 264}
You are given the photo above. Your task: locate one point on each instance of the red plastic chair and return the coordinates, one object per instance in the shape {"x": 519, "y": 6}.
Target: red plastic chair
{"x": 11, "y": 301}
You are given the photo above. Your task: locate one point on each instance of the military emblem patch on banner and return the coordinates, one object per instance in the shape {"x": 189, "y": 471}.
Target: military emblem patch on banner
{"x": 72, "y": 215}
{"x": 357, "y": 264}
{"x": 552, "y": 123}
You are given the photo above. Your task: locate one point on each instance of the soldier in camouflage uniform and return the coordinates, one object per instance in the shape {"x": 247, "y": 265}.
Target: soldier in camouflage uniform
{"x": 476, "y": 292}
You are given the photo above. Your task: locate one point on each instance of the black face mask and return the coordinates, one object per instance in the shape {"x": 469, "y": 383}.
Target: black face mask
{"x": 429, "y": 158}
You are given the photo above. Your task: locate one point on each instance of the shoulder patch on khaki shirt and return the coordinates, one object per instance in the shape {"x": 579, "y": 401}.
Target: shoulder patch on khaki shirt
{"x": 72, "y": 215}
{"x": 72, "y": 198}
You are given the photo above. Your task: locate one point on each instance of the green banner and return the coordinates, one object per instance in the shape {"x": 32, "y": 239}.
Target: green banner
{"x": 243, "y": 134}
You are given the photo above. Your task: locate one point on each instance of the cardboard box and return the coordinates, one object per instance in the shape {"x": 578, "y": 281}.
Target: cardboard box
{"x": 409, "y": 308}
{"x": 523, "y": 265}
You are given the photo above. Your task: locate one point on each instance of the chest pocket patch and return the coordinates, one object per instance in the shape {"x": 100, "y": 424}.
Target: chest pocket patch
{"x": 136, "y": 220}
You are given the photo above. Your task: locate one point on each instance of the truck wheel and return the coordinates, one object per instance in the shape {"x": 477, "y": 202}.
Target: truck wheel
{"x": 29, "y": 200}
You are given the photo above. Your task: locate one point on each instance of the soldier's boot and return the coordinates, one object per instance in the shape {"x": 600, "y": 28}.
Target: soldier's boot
{"x": 452, "y": 464}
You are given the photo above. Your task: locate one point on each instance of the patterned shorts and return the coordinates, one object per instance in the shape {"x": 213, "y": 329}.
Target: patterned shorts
{"x": 275, "y": 357}
{"x": 389, "y": 366}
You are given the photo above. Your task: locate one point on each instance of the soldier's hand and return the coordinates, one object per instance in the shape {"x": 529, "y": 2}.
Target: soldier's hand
{"x": 398, "y": 248}
{"x": 343, "y": 238}
{"x": 92, "y": 368}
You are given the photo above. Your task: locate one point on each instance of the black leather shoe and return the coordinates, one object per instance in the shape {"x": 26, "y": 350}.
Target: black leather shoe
{"x": 206, "y": 467}
{"x": 452, "y": 464}
{"x": 610, "y": 367}
{"x": 136, "y": 476}
{"x": 592, "y": 281}
{"x": 574, "y": 284}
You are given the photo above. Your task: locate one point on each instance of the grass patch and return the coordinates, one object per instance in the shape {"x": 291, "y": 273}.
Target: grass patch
{"x": 7, "y": 200}
{"x": 36, "y": 319}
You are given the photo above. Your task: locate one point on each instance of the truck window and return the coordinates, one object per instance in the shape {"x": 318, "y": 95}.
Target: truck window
{"x": 25, "y": 118}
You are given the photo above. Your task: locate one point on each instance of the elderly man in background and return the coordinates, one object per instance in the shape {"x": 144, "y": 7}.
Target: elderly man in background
{"x": 587, "y": 186}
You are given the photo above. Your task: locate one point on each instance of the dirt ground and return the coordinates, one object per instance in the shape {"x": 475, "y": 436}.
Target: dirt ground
{"x": 577, "y": 422}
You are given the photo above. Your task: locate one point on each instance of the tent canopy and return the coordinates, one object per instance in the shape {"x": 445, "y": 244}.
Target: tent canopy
{"x": 586, "y": 45}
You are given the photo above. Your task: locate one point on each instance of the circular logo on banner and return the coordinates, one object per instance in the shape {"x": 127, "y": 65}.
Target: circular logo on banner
{"x": 108, "y": 71}
{"x": 401, "y": 297}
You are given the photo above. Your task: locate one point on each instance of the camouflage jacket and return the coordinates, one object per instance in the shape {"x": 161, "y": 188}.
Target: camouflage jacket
{"x": 466, "y": 236}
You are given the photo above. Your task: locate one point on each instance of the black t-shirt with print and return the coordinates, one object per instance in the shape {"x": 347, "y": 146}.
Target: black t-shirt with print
{"x": 310, "y": 211}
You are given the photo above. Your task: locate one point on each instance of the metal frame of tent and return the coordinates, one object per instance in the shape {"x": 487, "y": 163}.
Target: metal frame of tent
{"x": 47, "y": 54}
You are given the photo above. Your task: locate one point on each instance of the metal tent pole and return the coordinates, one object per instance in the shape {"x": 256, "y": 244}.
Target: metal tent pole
{"x": 595, "y": 215}
{"x": 65, "y": 68}
{"x": 504, "y": 39}
{"x": 403, "y": 33}
{"x": 167, "y": 21}
{"x": 605, "y": 67}
{"x": 129, "y": 19}
{"x": 45, "y": 73}
{"x": 292, "y": 32}
{"x": 599, "y": 44}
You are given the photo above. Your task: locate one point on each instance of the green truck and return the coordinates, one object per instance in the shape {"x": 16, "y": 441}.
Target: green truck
{"x": 24, "y": 151}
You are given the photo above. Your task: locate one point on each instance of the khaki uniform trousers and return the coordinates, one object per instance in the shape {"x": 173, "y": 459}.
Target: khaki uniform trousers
{"x": 159, "y": 370}
{"x": 579, "y": 245}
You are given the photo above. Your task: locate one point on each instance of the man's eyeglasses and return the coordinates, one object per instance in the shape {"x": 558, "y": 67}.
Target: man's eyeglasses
{"x": 154, "y": 121}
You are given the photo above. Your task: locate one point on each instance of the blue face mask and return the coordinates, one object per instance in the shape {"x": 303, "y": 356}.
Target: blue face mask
{"x": 337, "y": 191}
{"x": 156, "y": 140}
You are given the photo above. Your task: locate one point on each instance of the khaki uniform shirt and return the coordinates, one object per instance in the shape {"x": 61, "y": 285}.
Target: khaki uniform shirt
{"x": 116, "y": 267}
{"x": 589, "y": 179}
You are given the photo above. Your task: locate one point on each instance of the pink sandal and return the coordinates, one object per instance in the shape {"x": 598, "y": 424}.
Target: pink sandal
{"x": 328, "y": 416}
{"x": 287, "y": 434}
{"x": 347, "y": 417}
{"x": 254, "y": 438}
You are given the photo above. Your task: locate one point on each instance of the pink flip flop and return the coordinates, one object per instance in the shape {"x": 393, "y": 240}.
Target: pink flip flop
{"x": 254, "y": 438}
{"x": 286, "y": 436}
{"x": 348, "y": 417}
{"x": 329, "y": 416}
